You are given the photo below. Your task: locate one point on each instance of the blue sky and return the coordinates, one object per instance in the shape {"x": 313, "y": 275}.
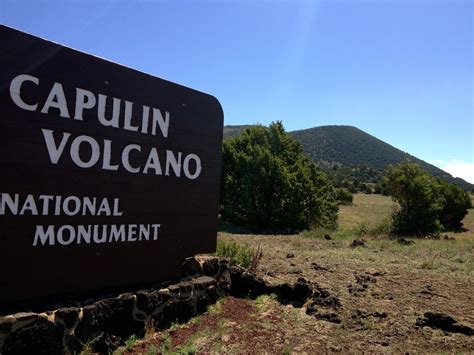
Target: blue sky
{"x": 400, "y": 70}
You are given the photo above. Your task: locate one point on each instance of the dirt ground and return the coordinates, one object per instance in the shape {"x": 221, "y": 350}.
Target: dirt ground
{"x": 383, "y": 287}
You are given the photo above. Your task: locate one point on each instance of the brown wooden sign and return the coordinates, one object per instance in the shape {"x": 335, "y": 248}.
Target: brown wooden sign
{"x": 109, "y": 176}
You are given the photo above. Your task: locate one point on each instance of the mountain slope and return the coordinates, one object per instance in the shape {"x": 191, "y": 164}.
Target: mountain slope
{"x": 350, "y": 146}
{"x": 353, "y": 149}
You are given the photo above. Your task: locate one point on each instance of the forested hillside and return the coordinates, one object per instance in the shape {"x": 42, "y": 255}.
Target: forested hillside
{"x": 352, "y": 147}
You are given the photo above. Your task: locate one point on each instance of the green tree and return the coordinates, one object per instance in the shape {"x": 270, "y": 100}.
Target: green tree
{"x": 344, "y": 197}
{"x": 419, "y": 199}
{"x": 378, "y": 188}
{"x": 455, "y": 206}
{"x": 365, "y": 188}
{"x": 269, "y": 184}
{"x": 352, "y": 189}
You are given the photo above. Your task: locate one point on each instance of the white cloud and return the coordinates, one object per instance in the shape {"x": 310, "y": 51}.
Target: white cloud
{"x": 460, "y": 169}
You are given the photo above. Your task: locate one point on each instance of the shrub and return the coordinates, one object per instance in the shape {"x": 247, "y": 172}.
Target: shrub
{"x": 268, "y": 184}
{"x": 352, "y": 189}
{"x": 344, "y": 197}
{"x": 426, "y": 205}
{"x": 456, "y": 204}
{"x": 240, "y": 255}
{"x": 420, "y": 203}
{"x": 378, "y": 189}
{"x": 373, "y": 230}
{"x": 365, "y": 188}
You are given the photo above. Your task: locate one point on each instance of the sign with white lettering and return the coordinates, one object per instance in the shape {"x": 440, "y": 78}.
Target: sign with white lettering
{"x": 109, "y": 176}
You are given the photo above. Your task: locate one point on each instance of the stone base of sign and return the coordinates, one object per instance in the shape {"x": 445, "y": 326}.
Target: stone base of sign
{"x": 107, "y": 323}
{"x": 104, "y": 324}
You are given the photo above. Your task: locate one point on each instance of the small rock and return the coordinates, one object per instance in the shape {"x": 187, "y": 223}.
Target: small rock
{"x": 106, "y": 344}
{"x": 69, "y": 316}
{"x": 319, "y": 267}
{"x": 210, "y": 265}
{"x": 375, "y": 272}
{"x": 427, "y": 290}
{"x": 359, "y": 313}
{"x": 404, "y": 241}
{"x": 322, "y": 297}
{"x": 301, "y": 291}
{"x": 354, "y": 289}
{"x": 289, "y": 256}
{"x": 364, "y": 279}
{"x": 377, "y": 314}
{"x": 245, "y": 284}
{"x": 39, "y": 337}
{"x": 321, "y": 315}
{"x": 191, "y": 267}
{"x": 358, "y": 243}
{"x": 113, "y": 316}
{"x": 295, "y": 271}
{"x": 444, "y": 322}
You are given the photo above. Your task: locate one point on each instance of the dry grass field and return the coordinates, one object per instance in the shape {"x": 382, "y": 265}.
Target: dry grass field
{"x": 382, "y": 287}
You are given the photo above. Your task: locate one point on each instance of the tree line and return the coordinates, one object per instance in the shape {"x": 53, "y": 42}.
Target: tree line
{"x": 269, "y": 185}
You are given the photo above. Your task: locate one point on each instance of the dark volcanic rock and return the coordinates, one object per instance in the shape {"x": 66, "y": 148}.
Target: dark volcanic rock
{"x": 203, "y": 283}
{"x": 444, "y": 322}
{"x": 191, "y": 267}
{"x": 296, "y": 295}
{"x": 40, "y": 337}
{"x": 323, "y": 306}
{"x": 358, "y": 243}
{"x": 107, "y": 344}
{"x": 110, "y": 316}
{"x": 364, "y": 279}
{"x": 322, "y": 297}
{"x": 210, "y": 266}
{"x": 319, "y": 267}
{"x": 377, "y": 314}
{"x": 302, "y": 289}
{"x": 207, "y": 292}
{"x": 68, "y": 315}
{"x": 404, "y": 241}
{"x": 73, "y": 345}
{"x": 320, "y": 314}
{"x": 105, "y": 324}
{"x": 148, "y": 301}
{"x": 179, "y": 310}
{"x": 245, "y": 284}
{"x": 284, "y": 292}
{"x": 362, "y": 282}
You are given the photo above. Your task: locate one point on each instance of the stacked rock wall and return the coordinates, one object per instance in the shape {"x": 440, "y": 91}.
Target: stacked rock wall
{"x": 107, "y": 323}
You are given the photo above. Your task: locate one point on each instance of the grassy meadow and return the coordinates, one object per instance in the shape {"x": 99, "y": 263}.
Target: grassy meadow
{"x": 405, "y": 281}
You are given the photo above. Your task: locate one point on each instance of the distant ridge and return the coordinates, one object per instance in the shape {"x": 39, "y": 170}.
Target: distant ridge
{"x": 349, "y": 146}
